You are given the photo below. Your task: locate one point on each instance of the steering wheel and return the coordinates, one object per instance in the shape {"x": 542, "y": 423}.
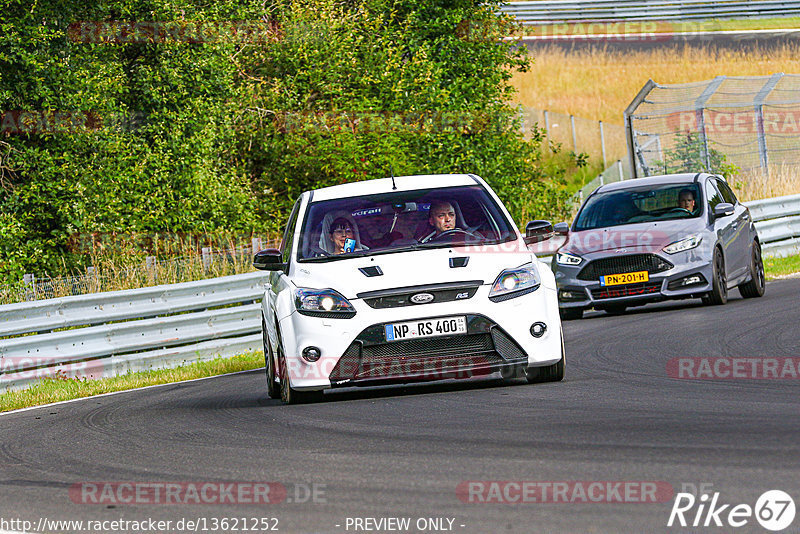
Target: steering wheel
{"x": 448, "y": 233}
{"x": 679, "y": 210}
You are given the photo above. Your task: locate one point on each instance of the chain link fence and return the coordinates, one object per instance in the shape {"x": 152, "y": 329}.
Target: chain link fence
{"x": 724, "y": 125}
{"x": 602, "y": 142}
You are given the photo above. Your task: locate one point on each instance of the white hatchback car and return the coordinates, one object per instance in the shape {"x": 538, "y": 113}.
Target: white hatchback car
{"x": 406, "y": 279}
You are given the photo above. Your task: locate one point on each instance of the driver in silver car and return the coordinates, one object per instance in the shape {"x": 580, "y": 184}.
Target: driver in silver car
{"x": 686, "y": 200}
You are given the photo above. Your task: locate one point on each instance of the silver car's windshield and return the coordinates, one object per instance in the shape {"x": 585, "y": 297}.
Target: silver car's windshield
{"x": 640, "y": 204}
{"x": 402, "y": 220}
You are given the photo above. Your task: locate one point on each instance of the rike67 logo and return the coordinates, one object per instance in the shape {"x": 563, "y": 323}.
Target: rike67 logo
{"x": 774, "y": 510}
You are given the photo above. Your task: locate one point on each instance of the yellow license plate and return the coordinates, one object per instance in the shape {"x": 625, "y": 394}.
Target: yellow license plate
{"x": 624, "y": 278}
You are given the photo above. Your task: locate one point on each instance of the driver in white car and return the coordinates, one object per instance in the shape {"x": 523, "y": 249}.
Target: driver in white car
{"x": 442, "y": 216}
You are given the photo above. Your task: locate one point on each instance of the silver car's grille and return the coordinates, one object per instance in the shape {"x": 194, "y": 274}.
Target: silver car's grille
{"x": 630, "y": 290}
{"x": 624, "y": 264}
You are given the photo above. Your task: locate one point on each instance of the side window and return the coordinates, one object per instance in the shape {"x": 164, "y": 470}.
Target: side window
{"x": 712, "y": 195}
{"x": 727, "y": 193}
{"x": 288, "y": 233}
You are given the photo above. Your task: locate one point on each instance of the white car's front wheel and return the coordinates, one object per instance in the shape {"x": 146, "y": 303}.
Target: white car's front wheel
{"x": 273, "y": 390}
{"x": 548, "y": 373}
{"x": 288, "y": 394}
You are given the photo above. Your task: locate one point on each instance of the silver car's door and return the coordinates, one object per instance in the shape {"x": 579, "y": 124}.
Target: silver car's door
{"x": 723, "y": 228}
{"x": 740, "y": 252}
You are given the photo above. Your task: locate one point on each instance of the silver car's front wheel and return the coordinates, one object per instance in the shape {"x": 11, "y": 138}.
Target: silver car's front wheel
{"x": 719, "y": 283}
{"x": 755, "y": 286}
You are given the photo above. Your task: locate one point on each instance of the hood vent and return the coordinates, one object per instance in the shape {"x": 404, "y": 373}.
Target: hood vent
{"x": 370, "y": 271}
{"x": 459, "y": 262}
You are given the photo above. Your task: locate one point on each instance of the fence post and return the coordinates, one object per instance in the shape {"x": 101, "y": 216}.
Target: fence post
{"x": 150, "y": 267}
{"x": 256, "y": 244}
{"x": 30, "y": 282}
{"x": 547, "y": 125}
{"x": 574, "y": 138}
{"x": 603, "y": 144}
{"x": 207, "y": 259}
{"x": 619, "y": 170}
{"x": 758, "y": 102}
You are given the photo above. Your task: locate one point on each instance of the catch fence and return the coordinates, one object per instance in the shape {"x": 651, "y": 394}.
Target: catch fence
{"x": 750, "y": 123}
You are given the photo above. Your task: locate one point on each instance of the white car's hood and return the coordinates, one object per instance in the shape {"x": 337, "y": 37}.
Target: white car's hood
{"x": 402, "y": 269}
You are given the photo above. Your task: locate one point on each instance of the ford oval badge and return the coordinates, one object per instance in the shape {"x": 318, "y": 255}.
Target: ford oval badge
{"x": 421, "y": 298}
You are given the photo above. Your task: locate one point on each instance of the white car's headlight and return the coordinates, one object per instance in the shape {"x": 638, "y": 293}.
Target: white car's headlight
{"x": 684, "y": 244}
{"x": 515, "y": 283}
{"x": 323, "y": 303}
{"x": 563, "y": 258}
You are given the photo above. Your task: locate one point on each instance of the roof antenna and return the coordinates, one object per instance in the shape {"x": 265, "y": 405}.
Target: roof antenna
{"x": 391, "y": 170}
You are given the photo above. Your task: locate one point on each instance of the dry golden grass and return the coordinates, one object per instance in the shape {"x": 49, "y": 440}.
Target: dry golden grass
{"x": 126, "y": 267}
{"x": 600, "y": 83}
{"x": 782, "y": 180}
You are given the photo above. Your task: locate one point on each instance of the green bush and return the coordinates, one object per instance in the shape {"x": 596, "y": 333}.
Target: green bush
{"x": 221, "y": 135}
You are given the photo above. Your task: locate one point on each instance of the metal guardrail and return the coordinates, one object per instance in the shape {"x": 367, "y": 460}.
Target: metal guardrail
{"x": 778, "y": 223}
{"x": 558, "y": 11}
{"x": 105, "y": 334}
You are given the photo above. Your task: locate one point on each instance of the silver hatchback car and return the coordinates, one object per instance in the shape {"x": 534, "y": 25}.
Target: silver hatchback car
{"x": 663, "y": 237}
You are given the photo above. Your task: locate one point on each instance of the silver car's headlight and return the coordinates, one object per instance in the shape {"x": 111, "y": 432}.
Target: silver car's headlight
{"x": 687, "y": 243}
{"x": 323, "y": 303}
{"x": 564, "y": 258}
{"x": 515, "y": 283}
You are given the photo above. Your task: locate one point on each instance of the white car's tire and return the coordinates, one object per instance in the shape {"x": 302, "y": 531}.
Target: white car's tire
{"x": 288, "y": 394}
{"x": 273, "y": 389}
{"x": 548, "y": 373}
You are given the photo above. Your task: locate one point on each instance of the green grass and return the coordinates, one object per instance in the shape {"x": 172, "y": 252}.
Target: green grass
{"x": 774, "y": 267}
{"x": 61, "y": 388}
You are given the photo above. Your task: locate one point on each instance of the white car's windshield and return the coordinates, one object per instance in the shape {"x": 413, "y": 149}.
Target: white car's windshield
{"x": 640, "y": 204}
{"x": 402, "y": 220}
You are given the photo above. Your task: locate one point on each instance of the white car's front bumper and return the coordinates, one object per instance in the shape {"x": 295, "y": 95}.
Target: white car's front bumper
{"x": 498, "y": 336}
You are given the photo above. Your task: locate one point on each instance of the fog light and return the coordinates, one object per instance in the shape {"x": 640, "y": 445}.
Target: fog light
{"x": 571, "y": 294}
{"x": 538, "y": 329}
{"x": 311, "y": 354}
{"x": 691, "y": 280}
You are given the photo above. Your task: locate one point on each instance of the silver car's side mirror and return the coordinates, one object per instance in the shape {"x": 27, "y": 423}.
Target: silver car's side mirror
{"x": 723, "y": 209}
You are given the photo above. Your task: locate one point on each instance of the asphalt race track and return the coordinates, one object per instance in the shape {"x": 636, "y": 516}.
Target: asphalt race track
{"x": 403, "y": 452}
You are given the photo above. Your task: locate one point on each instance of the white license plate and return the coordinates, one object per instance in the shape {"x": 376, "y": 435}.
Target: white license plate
{"x": 443, "y": 326}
